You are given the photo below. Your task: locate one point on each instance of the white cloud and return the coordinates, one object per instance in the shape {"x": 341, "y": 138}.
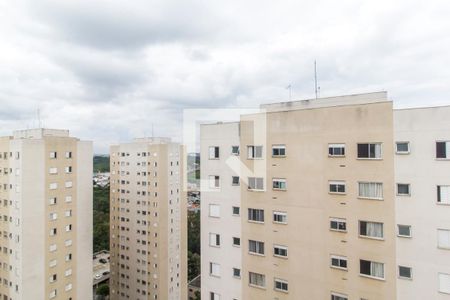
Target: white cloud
{"x": 109, "y": 69}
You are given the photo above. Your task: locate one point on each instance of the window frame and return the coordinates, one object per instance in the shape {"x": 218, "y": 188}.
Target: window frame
{"x": 447, "y": 145}
{"x": 258, "y": 246}
{"x": 370, "y": 275}
{"x": 282, "y": 248}
{"x": 238, "y": 150}
{"x": 255, "y": 221}
{"x": 368, "y": 236}
{"x": 256, "y": 189}
{"x": 403, "y": 195}
{"x": 253, "y": 152}
{"x": 439, "y": 196}
{"x": 216, "y": 152}
{"x": 368, "y": 151}
{"x": 402, "y": 152}
{"x": 337, "y": 183}
{"x": 280, "y": 181}
{"x": 339, "y": 258}
{"x": 403, "y": 277}
{"x": 338, "y": 220}
{"x": 281, "y": 213}
{"x": 336, "y": 146}
{"x": 401, "y": 235}
{"x": 368, "y": 197}
{"x": 282, "y": 281}
{"x": 278, "y": 147}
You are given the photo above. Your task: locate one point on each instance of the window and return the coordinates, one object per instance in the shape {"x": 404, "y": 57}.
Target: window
{"x": 236, "y": 272}
{"x": 53, "y": 216}
{"x": 214, "y": 152}
{"x": 404, "y": 272}
{"x": 236, "y": 210}
{"x": 278, "y": 150}
{"x": 214, "y": 296}
{"x": 68, "y": 169}
{"x": 279, "y": 184}
{"x": 336, "y": 149}
{"x": 339, "y": 262}
{"x": 336, "y": 296}
{"x": 52, "y": 201}
{"x": 280, "y": 217}
{"x": 337, "y": 187}
{"x": 444, "y": 283}
{"x": 68, "y": 198}
{"x": 256, "y": 247}
{"x": 53, "y": 155}
{"x": 404, "y": 230}
{"x": 214, "y": 239}
{"x": 443, "y": 194}
{"x": 254, "y": 152}
{"x": 214, "y": 210}
{"x": 68, "y": 184}
{"x": 256, "y": 279}
{"x": 53, "y": 171}
{"x": 281, "y": 285}
{"x": 236, "y": 241}
{"x": 255, "y": 183}
{"x": 402, "y": 147}
{"x": 214, "y": 269}
{"x": 214, "y": 181}
{"x": 53, "y": 186}
{"x": 68, "y": 154}
{"x": 403, "y": 189}
{"x": 370, "y": 190}
{"x": 338, "y": 224}
{"x": 280, "y": 251}
{"x": 442, "y": 149}
{"x": 444, "y": 238}
{"x": 234, "y": 150}
{"x": 234, "y": 180}
{"x": 371, "y": 229}
{"x": 372, "y": 151}
{"x": 256, "y": 215}
{"x": 372, "y": 269}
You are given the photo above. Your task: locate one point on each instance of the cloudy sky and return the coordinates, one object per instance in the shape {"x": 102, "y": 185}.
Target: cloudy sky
{"x": 109, "y": 69}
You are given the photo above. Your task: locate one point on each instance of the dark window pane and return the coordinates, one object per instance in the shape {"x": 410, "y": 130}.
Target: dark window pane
{"x": 363, "y": 150}
{"x": 440, "y": 150}
{"x": 364, "y": 267}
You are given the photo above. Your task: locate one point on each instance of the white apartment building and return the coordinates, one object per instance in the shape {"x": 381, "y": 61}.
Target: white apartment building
{"x": 148, "y": 235}
{"x": 422, "y": 175}
{"x": 221, "y": 212}
{"x": 46, "y": 216}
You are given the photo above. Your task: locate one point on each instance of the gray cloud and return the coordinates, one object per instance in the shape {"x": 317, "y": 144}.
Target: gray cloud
{"x": 108, "y": 70}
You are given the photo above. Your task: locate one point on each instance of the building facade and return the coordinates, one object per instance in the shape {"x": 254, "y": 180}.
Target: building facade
{"x": 422, "y": 175}
{"x": 317, "y": 202}
{"x": 221, "y": 212}
{"x": 148, "y": 236}
{"x": 46, "y": 195}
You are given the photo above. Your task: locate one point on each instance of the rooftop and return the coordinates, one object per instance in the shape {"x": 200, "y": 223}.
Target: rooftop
{"x": 39, "y": 133}
{"x": 366, "y": 98}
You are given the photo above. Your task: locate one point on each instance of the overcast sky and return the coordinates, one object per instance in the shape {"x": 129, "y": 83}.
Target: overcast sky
{"x": 107, "y": 70}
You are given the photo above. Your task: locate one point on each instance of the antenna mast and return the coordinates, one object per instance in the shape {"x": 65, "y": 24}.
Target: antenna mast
{"x": 315, "y": 78}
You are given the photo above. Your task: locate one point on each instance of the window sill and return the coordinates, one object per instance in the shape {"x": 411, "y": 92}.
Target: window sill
{"x": 372, "y": 277}
{"x": 339, "y": 268}
{"x": 336, "y": 156}
{"x": 403, "y": 195}
{"x": 255, "y": 222}
{"x": 337, "y": 193}
{"x": 368, "y": 198}
{"x": 255, "y": 158}
{"x": 256, "y": 254}
{"x": 444, "y": 159}
{"x": 280, "y": 223}
{"x": 443, "y": 248}
{"x": 282, "y": 190}
{"x": 371, "y": 238}
{"x": 405, "y": 278}
{"x": 214, "y": 158}
{"x": 368, "y": 158}
{"x": 443, "y": 204}
{"x": 278, "y": 156}
{"x": 255, "y": 190}
{"x": 337, "y": 230}
{"x": 404, "y": 236}
{"x": 402, "y": 153}
{"x": 281, "y": 291}
{"x": 280, "y": 256}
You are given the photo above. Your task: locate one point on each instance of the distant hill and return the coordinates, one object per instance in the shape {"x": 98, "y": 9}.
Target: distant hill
{"x": 101, "y": 163}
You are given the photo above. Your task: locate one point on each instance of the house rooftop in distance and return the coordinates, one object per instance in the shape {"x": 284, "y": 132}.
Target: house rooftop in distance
{"x": 39, "y": 133}
{"x": 367, "y": 98}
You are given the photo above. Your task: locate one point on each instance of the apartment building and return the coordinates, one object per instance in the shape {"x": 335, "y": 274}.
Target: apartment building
{"x": 317, "y": 202}
{"x": 221, "y": 212}
{"x": 148, "y": 236}
{"x": 46, "y": 216}
{"x": 422, "y": 176}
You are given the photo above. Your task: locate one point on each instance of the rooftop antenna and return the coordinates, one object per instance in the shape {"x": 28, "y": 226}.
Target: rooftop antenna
{"x": 39, "y": 117}
{"x": 315, "y": 79}
{"x": 152, "y": 132}
{"x": 289, "y": 87}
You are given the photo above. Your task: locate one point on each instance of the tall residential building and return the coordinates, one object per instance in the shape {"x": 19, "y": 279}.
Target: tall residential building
{"x": 148, "y": 221}
{"x": 221, "y": 212}
{"x": 317, "y": 202}
{"x": 422, "y": 167}
{"x": 46, "y": 216}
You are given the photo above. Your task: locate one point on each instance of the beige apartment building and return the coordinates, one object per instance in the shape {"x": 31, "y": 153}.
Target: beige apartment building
{"x": 148, "y": 234}
{"x": 46, "y": 216}
{"x": 317, "y": 202}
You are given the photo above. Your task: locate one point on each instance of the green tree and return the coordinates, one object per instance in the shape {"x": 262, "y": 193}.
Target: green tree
{"x": 193, "y": 244}
{"x": 103, "y": 290}
{"x": 101, "y": 218}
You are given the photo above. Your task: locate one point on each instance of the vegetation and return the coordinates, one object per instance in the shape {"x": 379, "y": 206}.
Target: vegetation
{"x": 103, "y": 290}
{"x": 101, "y": 163}
{"x": 193, "y": 244}
{"x": 101, "y": 218}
